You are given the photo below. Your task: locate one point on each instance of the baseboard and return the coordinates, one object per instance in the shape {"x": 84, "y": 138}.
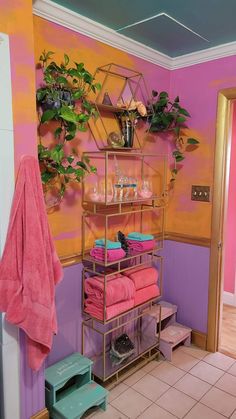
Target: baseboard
{"x": 229, "y": 298}
{"x": 43, "y": 414}
{"x": 199, "y": 339}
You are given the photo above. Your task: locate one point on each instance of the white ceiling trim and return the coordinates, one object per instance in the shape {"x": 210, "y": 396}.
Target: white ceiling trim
{"x": 78, "y": 23}
{"x": 69, "y": 19}
{"x": 209, "y": 54}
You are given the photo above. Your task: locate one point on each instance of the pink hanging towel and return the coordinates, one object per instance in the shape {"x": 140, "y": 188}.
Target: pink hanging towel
{"x": 30, "y": 267}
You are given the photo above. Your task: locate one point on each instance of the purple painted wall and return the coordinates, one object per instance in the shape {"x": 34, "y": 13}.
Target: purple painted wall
{"x": 68, "y": 305}
{"x": 186, "y": 276}
{"x": 32, "y": 385}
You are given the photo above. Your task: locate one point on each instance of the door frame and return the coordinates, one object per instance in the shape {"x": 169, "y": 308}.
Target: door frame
{"x": 222, "y": 150}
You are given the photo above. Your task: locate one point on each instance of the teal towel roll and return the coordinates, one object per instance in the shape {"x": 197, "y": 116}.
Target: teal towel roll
{"x": 110, "y": 244}
{"x": 140, "y": 236}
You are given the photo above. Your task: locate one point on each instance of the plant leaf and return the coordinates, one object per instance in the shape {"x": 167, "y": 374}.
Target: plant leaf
{"x": 57, "y": 132}
{"x": 46, "y": 176}
{"x": 192, "y": 141}
{"x": 183, "y": 111}
{"x": 66, "y": 59}
{"x": 70, "y": 159}
{"x": 48, "y": 115}
{"x": 68, "y": 114}
{"x": 70, "y": 170}
{"x": 180, "y": 119}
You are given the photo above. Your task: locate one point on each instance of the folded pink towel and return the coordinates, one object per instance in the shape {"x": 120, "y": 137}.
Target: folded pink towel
{"x": 138, "y": 246}
{"x": 119, "y": 288}
{"x": 30, "y": 268}
{"x": 143, "y": 277}
{"x": 95, "y": 309}
{"x": 112, "y": 254}
{"x": 146, "y": 294}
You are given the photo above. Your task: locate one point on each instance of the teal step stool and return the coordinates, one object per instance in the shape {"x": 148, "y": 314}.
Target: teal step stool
{"x": 69, "y": 389}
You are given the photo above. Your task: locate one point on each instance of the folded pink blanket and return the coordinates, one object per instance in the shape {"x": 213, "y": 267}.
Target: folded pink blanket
{"x": 95, "y": 309}
{"x": 143, "y": 277}
{"x": 118, "y": 288}
{"x": 112, "y": 254}
{"x": 144, "y": 246}
{"x": 146, "y": 294}
{"x": 30, "y": 268}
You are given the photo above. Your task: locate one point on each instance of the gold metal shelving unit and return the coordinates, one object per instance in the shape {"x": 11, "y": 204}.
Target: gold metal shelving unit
{"x": 145, "y": 215}
{"x": 122, "y": 85}
{"x": 106, "y": 211}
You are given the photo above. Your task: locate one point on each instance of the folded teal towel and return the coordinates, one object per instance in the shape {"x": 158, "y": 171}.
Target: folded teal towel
{"x": 110, "y": 244}
{"x": 140, "y": 236}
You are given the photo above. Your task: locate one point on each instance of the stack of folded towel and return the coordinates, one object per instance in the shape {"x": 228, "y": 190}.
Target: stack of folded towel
{"x": 145, "y": 283}
{"x": 120, "y": 294}
{"x": 114, "y": 250}
{"x": 139, "y": 242}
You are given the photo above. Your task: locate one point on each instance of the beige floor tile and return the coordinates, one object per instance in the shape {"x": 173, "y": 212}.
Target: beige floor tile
{"x": 192, "y": 386}
{"x": 232, "y": 369}
{"x": 152, "y": 365}
{"x": 220, "y": 401}
{"x": 183, "y": 361}
{"x": 111, "y": 412}
{"x": 168, "y": 373}
{"x": 194, "y": 351}
{"x": 206, "y": 372}
{"x": 156, "y": 412}
{"x": 131, "y": 403}
{"x": 176, "y": 402}
{"x": 219, "y": 360}
{"x": 151, "y": 387}
{"x": 227, "y": 383}
{"x": 135, "y": 377}
{"x": 199, "y": 411}
{"x": 116, "y": 391}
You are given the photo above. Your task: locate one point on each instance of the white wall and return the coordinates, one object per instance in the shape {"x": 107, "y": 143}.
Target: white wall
{"x": 9, "y": 347}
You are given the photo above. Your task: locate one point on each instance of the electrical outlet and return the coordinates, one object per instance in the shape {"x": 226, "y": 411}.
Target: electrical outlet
{"x": 200, "y": 193}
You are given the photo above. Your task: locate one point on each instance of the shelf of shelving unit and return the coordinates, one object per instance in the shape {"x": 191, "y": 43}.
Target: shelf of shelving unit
{"x": 122, "y": 85}
{"x": 92, "y": 271}
{"x": 93, "y": 228}
{"x": 142, "y": 332}
{"x": 131, "y": 171}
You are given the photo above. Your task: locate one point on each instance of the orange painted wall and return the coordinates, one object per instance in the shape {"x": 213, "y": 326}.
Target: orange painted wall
{"x": 66, "y": 221}
{"x": 16, "y": 20}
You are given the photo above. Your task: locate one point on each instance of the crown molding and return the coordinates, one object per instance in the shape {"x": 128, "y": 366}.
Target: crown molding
{"x": 209, "y": 54}
{"x": 69, "y": 19}
{"x": 55, "y": 13}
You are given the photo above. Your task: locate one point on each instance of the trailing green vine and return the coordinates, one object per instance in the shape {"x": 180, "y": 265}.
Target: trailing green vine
{"x": 170, "y": 116}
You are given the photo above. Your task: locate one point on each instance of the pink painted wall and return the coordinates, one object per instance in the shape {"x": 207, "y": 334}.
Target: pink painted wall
{"x": 198, "y": 87}
{"x": 230, "y": 228}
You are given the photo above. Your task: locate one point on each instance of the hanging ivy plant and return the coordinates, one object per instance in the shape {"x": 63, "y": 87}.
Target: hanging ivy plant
{"x": 170, "y": 116}
{"x": 63, "y": 98}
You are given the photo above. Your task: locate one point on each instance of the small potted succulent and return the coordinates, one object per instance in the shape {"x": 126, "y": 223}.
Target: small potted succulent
{"x": 170, "y": 116}
{"x": 63, "y": 98}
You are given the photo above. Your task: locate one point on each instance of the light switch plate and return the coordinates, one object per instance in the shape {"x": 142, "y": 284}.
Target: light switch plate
{"x": 200, "y": 193}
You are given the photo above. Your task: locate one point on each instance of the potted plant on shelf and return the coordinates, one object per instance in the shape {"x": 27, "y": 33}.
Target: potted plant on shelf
{"x": 170, "y": 116}
{"x": 63, "y": 98}
{"x": 132, "y": 111}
